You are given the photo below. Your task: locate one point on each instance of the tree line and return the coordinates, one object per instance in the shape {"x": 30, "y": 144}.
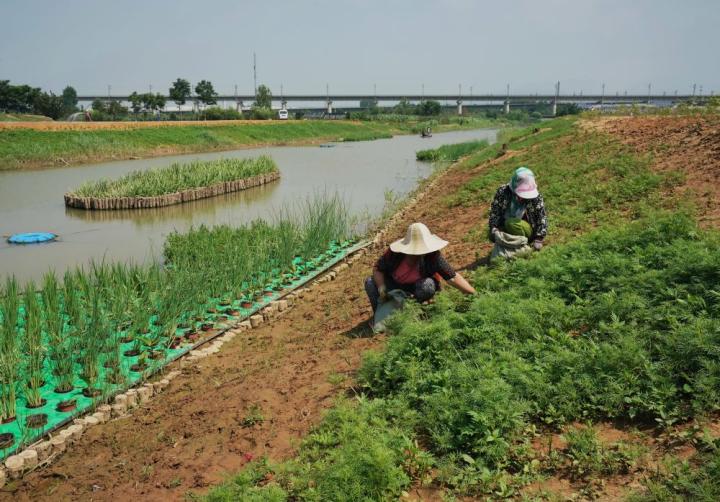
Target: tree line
{"x": 32, "y": 100}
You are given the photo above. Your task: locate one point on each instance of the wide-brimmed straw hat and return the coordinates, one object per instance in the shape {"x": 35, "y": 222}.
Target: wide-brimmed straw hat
{"x": 418, "y": 241}
{"x": 523, "y": 183}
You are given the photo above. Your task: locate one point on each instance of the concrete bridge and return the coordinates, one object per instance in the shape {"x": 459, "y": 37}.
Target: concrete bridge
{"x": 489, "y": 99}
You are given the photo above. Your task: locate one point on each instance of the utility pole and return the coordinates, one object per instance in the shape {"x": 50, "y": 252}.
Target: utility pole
{"x": 150, "y": 88}
{"x": 649, "y": 92}
{"x": 109, "y": 87}
{"x": 255, "y": 74}
{"x": 602, "y": 96}
{"x": 422, "y": 92}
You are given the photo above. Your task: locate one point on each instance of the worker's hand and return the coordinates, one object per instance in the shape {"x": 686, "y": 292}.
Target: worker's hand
{"x": 383, "y": 293}
{"x": 537, "y": 245}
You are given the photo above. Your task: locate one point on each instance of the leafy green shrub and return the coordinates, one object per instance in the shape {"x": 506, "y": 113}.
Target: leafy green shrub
{"x": 217, "y": 113}
{"x": 356, "y": 454}
{"x": 619, "y": 324}
{"x": 589, "y": 458}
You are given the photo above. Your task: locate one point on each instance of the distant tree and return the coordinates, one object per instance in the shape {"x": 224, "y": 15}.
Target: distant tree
{"x": 263, "y": 98}
{"x": 152, "y": 102}
{"x": 205, "y": 92}
{"x": 404, "y": 107}
{"x": 429, "y": 108}
{"x": 159, "y": 103}
{"x": 136, "y": 102}
{"x": 115, "y": 109}
{"x": 180, "y": 92}
{"x": 99, "y": 106}
{"x": 17, "y": 98}
{"x": 50, "y": 105}
{"x": 70, "y": 99}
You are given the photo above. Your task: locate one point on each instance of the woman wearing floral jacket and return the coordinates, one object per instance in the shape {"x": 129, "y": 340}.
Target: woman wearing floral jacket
{"x": 519, "y": 200}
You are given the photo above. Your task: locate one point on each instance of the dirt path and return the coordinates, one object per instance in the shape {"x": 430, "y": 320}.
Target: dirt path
{"x": 290, "y": 371}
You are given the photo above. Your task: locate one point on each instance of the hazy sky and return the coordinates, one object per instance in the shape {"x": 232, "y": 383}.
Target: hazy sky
{"x": 351, "y": 45}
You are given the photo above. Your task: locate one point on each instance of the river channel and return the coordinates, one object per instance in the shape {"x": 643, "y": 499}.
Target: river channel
{"x": 32, "y": 201}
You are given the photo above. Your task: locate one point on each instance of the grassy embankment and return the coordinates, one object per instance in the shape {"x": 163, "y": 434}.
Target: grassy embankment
{"x": 21, "y": 148}
{"x": 26, "y": 148}
{"x": 617, "y": 321}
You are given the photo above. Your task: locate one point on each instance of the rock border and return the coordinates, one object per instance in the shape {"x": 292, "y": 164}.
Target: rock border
{"x": 191, "y": 194}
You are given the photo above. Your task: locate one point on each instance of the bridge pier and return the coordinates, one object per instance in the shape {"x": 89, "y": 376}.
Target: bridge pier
{"x": 238, "y": 106}
{"x": 459, "y": 106}
{"x": 507, "y": 106}
{"x": 329, "y": 107}
{"x": 283, "y": 104}
{"x": 554, "y": 108}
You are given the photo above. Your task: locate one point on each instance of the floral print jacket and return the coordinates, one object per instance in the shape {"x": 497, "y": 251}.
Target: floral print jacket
{"x": 534, "y": 213}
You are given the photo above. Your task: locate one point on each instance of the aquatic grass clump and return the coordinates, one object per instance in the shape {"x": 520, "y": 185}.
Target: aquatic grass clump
{"x": 246, "y": 260}
{"x": 9, "y": 350}
{"x": 452, "y": 153}
{"x": 108, "y": 324}
{"x": 33, "y": 348}
{"x": 177, "y": 177}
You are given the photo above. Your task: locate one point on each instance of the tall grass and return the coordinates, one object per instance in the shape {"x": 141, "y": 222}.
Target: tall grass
{"x": 83, "y": 328}
{"x": 177, "y": 177}
{"x": 452, "y": 153}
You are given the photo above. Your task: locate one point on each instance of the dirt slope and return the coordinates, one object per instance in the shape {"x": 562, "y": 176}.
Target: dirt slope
{"x": 687, "y": 145}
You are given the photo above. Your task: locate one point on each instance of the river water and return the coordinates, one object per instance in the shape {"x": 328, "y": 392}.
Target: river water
{"x": 32, "y": 201}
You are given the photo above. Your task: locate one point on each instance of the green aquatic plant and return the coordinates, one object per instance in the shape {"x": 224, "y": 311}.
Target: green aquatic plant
{"x": 91, "y": 342}
{"x": 61, "y": 346}
{"x": 177, "y": 177}
{"x": 9, "y": 349}
{"x": 33, "y": 348}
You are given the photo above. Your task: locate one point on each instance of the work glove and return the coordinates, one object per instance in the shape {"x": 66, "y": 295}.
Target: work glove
{"x": 537, "y": 245}
{"x": 383, "y": 293}
{"x": 494, "y": 233}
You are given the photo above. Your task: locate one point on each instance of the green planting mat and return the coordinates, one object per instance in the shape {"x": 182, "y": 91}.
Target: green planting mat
{"x": 24, "y": 434}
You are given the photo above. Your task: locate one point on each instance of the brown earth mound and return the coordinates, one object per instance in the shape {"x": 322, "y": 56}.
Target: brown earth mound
{"x": 688, "y": 145}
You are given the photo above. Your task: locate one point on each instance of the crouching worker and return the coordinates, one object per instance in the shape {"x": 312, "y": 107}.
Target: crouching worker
{"x": 413, "y": 265}
{"x": 517, "y": 216}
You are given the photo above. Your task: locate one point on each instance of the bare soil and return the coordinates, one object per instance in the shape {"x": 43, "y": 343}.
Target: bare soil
{"x": 687, "y": 145}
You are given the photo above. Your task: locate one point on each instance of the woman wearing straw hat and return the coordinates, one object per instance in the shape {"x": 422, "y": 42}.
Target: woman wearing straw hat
{"x": 414, "y": 265}
{"x": 518, "y": 206}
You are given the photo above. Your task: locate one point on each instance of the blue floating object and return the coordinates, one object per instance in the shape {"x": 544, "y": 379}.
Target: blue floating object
{"x": 32, "y": 238}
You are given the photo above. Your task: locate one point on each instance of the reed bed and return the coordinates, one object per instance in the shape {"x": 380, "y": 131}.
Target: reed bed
{"x": 177, "y": 177}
